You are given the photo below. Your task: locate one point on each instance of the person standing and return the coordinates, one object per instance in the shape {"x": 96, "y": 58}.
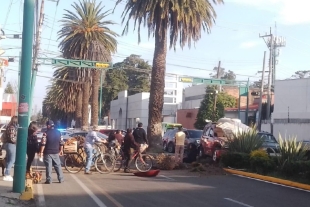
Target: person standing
{"x": 51, "y": 149}
{"x": 179, "y": 145}
{"x": 9, "y": 139}
{"x": 90, "y": 139}
{"x": 32, "y": 145}
{"x": 129, "y": 144}
{"x": 140, "y": 137}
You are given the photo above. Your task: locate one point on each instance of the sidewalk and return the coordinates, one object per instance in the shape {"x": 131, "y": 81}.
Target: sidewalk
{"x": 10, "y": 199}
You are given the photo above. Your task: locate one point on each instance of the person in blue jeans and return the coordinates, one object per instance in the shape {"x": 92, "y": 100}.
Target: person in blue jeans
{"x": 90, "y": 139}
{"x": 9, "y": 139}
{"x": 51, "y": 149}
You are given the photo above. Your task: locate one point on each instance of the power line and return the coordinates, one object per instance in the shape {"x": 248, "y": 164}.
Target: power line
{"x": 7, "y": 14}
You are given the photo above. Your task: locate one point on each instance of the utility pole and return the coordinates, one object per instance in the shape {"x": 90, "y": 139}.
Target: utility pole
{"x": 216, "y": 92}
{"x": 261, "y": 95}
{"x": 35, "y": 54}
{"x": 23, "y": 107}
{"x": 270, "y": 45}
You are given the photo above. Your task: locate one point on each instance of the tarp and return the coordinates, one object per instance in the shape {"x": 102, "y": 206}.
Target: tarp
{"x": 231, "y": 126}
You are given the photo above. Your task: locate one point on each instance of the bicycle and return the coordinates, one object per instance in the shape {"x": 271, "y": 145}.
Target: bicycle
{"x": 144, "y": 160}
{"x": 75, "y": 162}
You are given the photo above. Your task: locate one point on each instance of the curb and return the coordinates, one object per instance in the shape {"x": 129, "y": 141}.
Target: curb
{"x": 269, "y": 179}
{"x": 28, "y": 194}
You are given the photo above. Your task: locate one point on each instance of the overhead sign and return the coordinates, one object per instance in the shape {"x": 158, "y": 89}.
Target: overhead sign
{"x": 186, "y": 80}
{"x": 74, "y": 63}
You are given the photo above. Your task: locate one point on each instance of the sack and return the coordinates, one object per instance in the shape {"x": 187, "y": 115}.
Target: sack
{"x": 143, "y": 147}
{"x": 11, "y": 134}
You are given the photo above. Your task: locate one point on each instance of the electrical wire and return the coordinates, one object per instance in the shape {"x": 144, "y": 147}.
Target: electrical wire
{"x": 7, "y": 14}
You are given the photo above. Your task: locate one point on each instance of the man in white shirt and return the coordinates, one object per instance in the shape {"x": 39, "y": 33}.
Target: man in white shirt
{"x": 179, "y": 145}
{"x": 90, "y": 139}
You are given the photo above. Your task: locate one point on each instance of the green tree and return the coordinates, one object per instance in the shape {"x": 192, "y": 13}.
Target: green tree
{"x": 115, "y": 81}
{"x": 227, "y": 100}
{"x": 138, "y": 73}
{"x": 301, "y": 74}
{"x": 85, "y": 35}
{"x": 9, "y": 89}
{"x": 179, "y": 22}
{"x": 206, "y": 109}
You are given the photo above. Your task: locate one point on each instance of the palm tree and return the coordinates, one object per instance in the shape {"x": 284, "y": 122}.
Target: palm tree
{"x": 183, "y": 21}
{"x": 85, "y": 35}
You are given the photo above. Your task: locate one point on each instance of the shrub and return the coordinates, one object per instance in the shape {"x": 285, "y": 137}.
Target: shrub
{"x": 297, "y": 169}
{"x": 261, "y": 162}
{"x": 235, "y": 160}
{"x": 245, "y": 141}
{"x": 290, "y": 151}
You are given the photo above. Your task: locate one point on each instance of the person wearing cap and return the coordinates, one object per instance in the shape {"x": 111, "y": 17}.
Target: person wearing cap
{"x": 179, "y": 145}
{"x": 51, "y": 149}
{"x": 90, "y": 139}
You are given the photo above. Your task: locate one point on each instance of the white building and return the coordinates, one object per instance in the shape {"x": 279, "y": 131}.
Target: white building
{"x": 126, "y": 111}
{"x": 291, "y": 114}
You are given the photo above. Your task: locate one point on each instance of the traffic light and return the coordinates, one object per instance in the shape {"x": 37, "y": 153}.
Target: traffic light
{"x": 255, "y": 93}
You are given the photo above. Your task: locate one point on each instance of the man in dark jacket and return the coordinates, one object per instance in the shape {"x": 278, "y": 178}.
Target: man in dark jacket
{"x": 129, "y": 144}
{"x": 52, "y": 147}
{"x": 140, "y": 135}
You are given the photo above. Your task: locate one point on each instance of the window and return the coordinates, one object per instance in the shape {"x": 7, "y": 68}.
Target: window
{"x": 194, "y": 133}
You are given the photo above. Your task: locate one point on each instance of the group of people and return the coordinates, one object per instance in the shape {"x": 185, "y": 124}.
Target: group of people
{"x": 49, "y": 149}
{"x": 130, "y": 143}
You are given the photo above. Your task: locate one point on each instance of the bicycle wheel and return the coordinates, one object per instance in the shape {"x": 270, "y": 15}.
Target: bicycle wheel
{"x": 104, "y": 163}
{"x": 74, "y": 163}
{"x": 144, "y": 163}
{"x": 118, "y": 163}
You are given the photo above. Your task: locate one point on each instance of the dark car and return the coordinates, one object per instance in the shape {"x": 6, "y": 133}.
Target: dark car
{"x": 270, "y": 143}
{"x": 192, "y": 136}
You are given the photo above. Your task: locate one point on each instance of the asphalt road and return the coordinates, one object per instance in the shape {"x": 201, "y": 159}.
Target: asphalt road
{"x": 170, "y": 188}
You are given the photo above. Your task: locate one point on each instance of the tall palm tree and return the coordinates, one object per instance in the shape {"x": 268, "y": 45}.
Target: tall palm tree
{"x": 85, "y": 35}
{"x": 183, "y": 21}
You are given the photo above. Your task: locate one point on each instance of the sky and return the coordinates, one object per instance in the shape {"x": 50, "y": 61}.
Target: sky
{"x": 234, "y": 40}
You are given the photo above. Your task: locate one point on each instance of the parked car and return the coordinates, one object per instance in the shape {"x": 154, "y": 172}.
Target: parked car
{"x": 192, "y": 136}
{"x": 270, "y": 143}
{"x": 213, "y": 142}
{"x": 63, "y": 132}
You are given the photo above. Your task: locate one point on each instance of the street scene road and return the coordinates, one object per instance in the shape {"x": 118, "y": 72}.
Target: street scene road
{"x": 169, "y": 188}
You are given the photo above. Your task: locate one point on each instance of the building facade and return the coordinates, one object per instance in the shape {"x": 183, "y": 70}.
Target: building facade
{"x": 291, "y": 116}
{"x": 126, "y": 111}
{"x": 9, "y": 107}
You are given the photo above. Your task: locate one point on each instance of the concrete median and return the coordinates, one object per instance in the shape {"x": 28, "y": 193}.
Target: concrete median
{"x": 269, "y": 179}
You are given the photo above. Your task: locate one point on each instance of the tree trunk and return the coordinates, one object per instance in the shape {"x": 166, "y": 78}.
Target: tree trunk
{"x": 85, "y": 102}
{"x": 156, "y": 102}
{"x": 95, "y": 98}
{"x": 78, "y": 112}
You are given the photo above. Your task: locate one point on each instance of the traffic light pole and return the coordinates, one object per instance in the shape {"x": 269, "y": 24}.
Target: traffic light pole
{"x": 24, "y": 93}
{"x": 100, "y": 101}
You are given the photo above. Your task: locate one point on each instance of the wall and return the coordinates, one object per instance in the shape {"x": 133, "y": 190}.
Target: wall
{"x": 138, "y": 105}
{"x": 292, "y": 99}
{"x": 187, "y": 117}
{"x": 195, "y": 94}
{"x": 302, "y": 131}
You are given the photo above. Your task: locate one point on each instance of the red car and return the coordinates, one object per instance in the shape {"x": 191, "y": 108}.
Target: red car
{"x": 212, "y": 142}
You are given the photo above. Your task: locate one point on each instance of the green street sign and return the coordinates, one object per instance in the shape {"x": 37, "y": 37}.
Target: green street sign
{"x": 74, "y": 63}
{"x": 243, "y": 90}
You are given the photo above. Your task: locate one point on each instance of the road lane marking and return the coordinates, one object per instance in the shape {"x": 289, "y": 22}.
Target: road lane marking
{"x": 163, "y": 176}
{"x": 308, "y": 191}
{"x": 41, "y": 198}
{"x": 115, "y": 202}
{"x": 89, "y": 192}
{"x": 238, "y": 202}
